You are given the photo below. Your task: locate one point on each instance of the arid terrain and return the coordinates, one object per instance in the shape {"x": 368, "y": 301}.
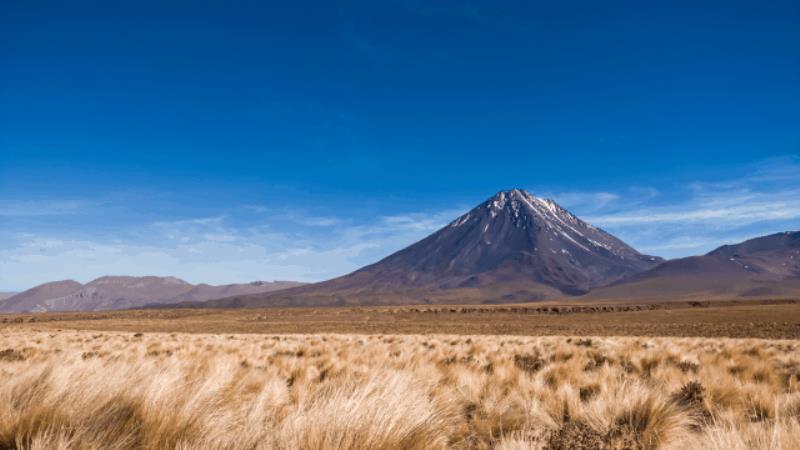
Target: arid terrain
{"x": 677, "y": 375}
{"x": 100, "y": 390}
{"x": 768, "y": 319}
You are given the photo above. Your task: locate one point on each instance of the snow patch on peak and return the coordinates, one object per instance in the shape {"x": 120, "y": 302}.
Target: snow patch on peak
{"x": 461, "y": 220}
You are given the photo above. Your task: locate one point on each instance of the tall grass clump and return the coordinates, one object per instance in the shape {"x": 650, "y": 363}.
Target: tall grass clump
{"x": 95, "y": 390}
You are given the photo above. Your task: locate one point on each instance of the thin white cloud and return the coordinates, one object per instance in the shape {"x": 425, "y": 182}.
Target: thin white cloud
{"x": 41, "y": 208}
{"x": 690, "y": 245}
{"x": 321, "y": 221}
{"x": 417, "y": 222}
{"x": 255, "y": 242}
{"x": 189, "y": 222}
{"x": 740, "y": 215}
{"x": 297, "y": 216}
{"x": 591, "y": 201}
{"x": 703, "y": 215}
{"x": 212, "y": 250}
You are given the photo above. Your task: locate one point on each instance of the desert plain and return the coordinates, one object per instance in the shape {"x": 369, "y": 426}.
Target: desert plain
{"x": 710, "y": 375}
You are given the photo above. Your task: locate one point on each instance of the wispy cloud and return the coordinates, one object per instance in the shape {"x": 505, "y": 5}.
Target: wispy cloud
{"x": 585, "y": 201}
{"x": 699, "y": 216}
{"x": 252, "y": 242}
{"x": 320, "y": 221}
{"x": 418, "y": 222}
{"x": 748, "y": 209}
{"x": 214, "y": 250}
{"x": 41, "y": 208}
{"x": 296, "y": 216}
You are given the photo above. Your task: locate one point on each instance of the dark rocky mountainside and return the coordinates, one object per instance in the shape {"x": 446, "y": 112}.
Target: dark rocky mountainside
{"x": 512, "y": 235}
{"x": 512, "y": 247}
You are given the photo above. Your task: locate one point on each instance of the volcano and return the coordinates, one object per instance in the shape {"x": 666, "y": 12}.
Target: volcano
{"x": 512, "y": 247}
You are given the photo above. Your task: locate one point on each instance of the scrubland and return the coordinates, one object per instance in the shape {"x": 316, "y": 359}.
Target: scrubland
{"x": 116, "y": 390}
{"x": 739, "y": 319}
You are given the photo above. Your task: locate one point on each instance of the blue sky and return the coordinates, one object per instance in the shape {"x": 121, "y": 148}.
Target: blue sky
{"x": 234, "y": 141}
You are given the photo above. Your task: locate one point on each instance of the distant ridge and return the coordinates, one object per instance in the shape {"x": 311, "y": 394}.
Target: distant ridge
{"x": 120, "y": 292}
{"x": 762, "y": 267}
{"x": 512, "y": 247}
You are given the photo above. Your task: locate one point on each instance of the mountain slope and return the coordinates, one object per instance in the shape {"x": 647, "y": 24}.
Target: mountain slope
{"x": 27, "y": 300}
{"x": 202, "y": 292}
{"x": 778, "y": 243}
{"x": 767, "y": 266}
{"x": 120, "y": 292}
{"x": 513, "y": 235}
{"x": 512, "y": 247}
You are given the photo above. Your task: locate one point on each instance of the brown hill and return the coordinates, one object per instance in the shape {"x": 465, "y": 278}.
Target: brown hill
{"x": 39, "y": 295}
{"x": 202, "y": 292}
{"x": 763, "y": 267}
{"x": 121, "y": 292}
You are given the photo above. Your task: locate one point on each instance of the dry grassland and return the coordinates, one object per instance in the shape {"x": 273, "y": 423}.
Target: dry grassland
{"x": 751, "y": 319}
{"x": 116, "y": 390}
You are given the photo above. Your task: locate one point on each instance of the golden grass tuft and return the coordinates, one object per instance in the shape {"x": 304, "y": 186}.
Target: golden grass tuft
{"x": 81, "y": 390}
